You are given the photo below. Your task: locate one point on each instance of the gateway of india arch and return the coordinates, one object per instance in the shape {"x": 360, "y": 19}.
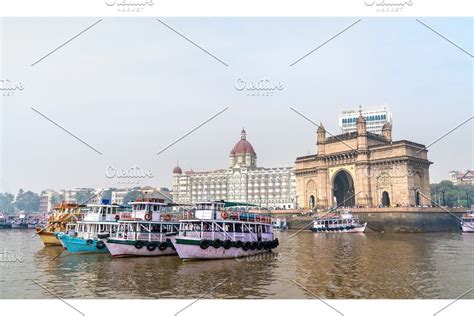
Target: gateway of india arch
{"x": 363, "y": 169}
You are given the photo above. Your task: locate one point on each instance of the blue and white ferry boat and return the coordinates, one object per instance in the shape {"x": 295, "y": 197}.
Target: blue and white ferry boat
{"x": 99, "y": 222}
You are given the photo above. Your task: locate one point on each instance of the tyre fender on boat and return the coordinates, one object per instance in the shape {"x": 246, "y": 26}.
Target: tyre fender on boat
{"x": 204, "y": 244}
{"x": 100, "y": 244}
{"x": 260, "y": 245}
{"x": 254, "y": 245}
{"x": 246, "y": 246}
{"x": 89, "y": 241}
{"x": 227, "y": 244}
{"x": 163, "y": 245}
{"x": 217, "y": 243}
{"x": 139, "y": 244}
{"x": 151, "y": 246}
{"x": 239, "y": 244}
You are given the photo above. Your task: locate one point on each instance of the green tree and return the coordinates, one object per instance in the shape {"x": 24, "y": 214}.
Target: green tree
{"x": 447, "y": 194}
{"x": 27, "y": 201}
{"x": 6, "y": 200}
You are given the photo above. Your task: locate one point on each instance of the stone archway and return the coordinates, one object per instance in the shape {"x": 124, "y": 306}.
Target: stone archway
{"x": 312, "y": 202}
{"x": 310, "y": 194}
{"x": 343, "y": 189}
{"x": 385, "y": 198}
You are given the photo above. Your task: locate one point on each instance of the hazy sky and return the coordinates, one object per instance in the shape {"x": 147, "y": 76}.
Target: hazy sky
{"x": 130, "y": 87}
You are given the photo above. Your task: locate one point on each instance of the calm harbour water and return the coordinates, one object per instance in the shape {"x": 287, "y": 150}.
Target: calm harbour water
{"x": 372, "y": 265}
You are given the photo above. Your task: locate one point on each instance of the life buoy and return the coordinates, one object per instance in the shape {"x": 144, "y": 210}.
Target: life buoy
{"x": 117, "y": 217}
{"x": 224, "y": 215}
{"x": 167, "y": 217}
{"x": 204, "y": 244}
{"x": 100, "y": 244}
{"x": 139, "y": 244}
{"x": 148, "y": 216}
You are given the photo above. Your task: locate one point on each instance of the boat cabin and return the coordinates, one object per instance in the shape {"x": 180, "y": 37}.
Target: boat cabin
{"x": 210, "y": 210}
{"x": 148, "y": 209}
{"x": 102, "y": 213}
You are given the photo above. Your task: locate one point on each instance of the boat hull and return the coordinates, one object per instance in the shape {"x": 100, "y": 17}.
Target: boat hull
{"x": 49, "y": 238}
{"x": 467, "y": 228}
{"x": 190, "y": 250}
{"x": 359, "y": 229}
{"x": 127, "y": 248}
{"x": 80, "y": 245}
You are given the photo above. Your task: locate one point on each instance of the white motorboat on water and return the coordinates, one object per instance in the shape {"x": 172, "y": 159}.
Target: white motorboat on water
{"x": 467, "y": 222}
{"x": 216, "y": 233}
{"x": 338, "y": 222}
{"x": 279, "y": 223}
{"x": 148, "y": 230}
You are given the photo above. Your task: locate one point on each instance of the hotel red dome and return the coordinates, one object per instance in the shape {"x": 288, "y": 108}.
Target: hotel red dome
{"x": 242, "y": 146}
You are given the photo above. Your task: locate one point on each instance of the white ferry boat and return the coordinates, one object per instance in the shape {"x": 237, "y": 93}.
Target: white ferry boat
{"x": 216, "y": 233}
{"x": 467, "y": 222}
{"x": 147, "y": 231}
{"x": 341, "y": 222}
{"x": 99, "y": 222}
{"x": 279, "y": 223}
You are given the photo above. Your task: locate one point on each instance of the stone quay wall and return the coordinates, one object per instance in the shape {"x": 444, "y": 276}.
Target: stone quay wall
{"x": 400, "y": 219}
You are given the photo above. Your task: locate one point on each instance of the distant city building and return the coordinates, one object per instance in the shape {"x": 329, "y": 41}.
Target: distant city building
{"x": 375, "y": 119}
{"x": 162, "y": 193}
{"x": 462, "y": 177}
{"x": 242, "y": 181}
{"x": 118, "y": 196}
{"x": 46, "y": 201}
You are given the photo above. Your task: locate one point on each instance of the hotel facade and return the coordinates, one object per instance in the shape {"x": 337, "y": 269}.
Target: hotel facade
{"x": 243, "y": 181}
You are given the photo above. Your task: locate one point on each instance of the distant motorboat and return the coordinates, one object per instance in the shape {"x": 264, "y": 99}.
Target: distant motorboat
{"x": 467, "y": 222}
{"x": 279, "y": 223}
{"x": 338, "y": 222}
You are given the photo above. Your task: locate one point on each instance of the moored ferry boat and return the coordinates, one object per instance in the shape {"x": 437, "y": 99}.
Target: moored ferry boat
{"x": 216, "y": 233}
{"x": 61, "y": 215}
{"x": 86, "y": 236}
{"x": 467, "y": 222}
{"x": 4, "y": 223}
{"x": 147, "y": 231}
{"x": 341, "y": 222}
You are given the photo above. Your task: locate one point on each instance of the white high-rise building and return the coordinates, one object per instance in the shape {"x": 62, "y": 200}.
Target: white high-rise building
{"x": 375, "y": 119}
{"x": 242, "y": 181}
